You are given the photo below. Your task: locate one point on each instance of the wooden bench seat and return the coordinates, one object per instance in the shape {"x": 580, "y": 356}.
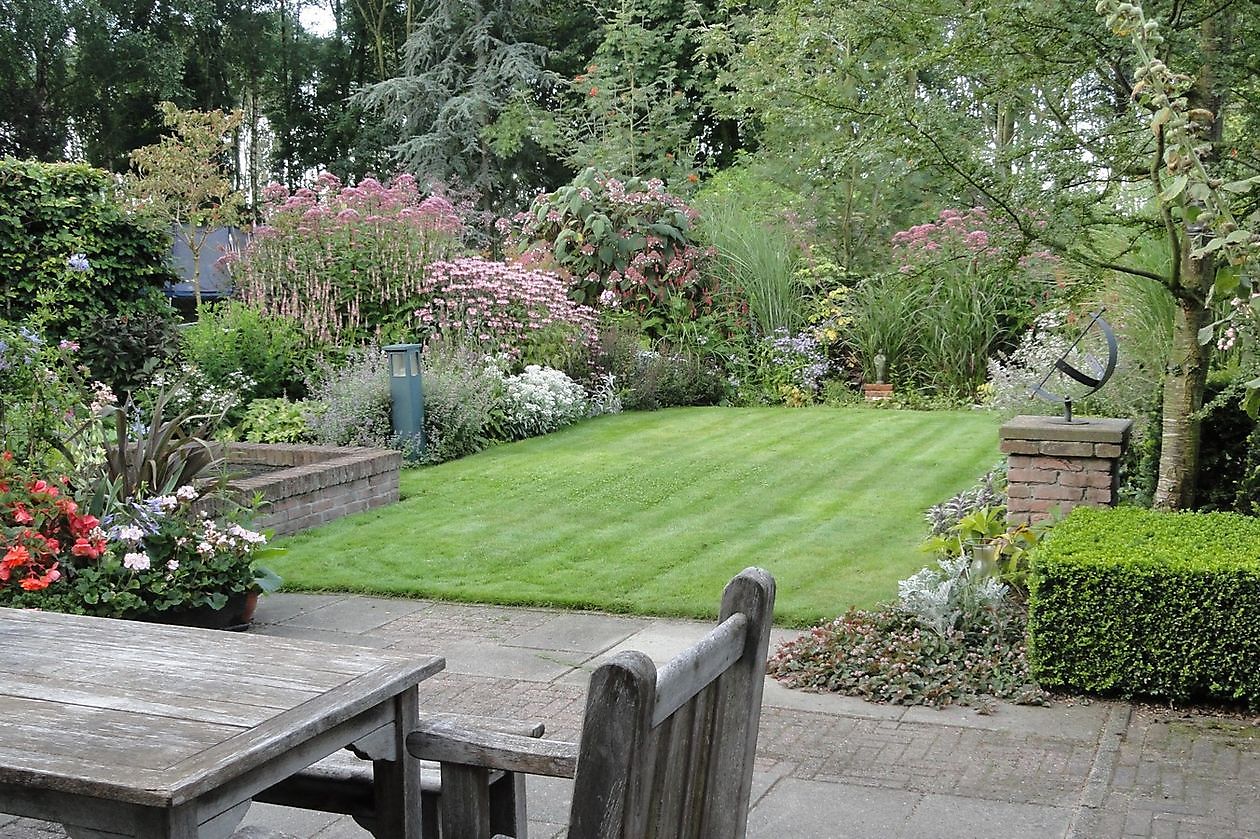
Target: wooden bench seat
{"x": 343, "y": 783}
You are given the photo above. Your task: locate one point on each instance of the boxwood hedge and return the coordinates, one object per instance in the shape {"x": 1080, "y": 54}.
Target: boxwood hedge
{"x": 1140, "y": 602}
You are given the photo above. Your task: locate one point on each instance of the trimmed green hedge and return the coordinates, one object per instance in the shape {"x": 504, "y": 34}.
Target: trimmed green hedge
{"x": 116, "y": 310}
{"x": 1139, "y": 602}
{"x": 49, "y": 211}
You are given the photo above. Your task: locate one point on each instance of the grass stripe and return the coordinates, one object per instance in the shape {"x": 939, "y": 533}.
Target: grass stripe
{"x": 653, "y": 512}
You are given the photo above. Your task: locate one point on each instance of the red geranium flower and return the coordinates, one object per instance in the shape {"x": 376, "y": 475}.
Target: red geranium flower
{"x": 38, "y": 582}
{"x": 81, "y": 526}
{"x": 89, "y": 549}
{"x": 15, "y": 557}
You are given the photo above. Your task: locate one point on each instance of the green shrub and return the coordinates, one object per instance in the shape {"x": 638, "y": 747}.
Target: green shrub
{"x": 50, "y": 212}
{"x": 45, "y": 416}
{"x": 461, "y": 400}
{"x": 1134, "y": 601}
{"x": 1227, "y": 449}
{"x": 231, "y": 338}
{"x": 124, "y": 347}
{"x": 277, "y": 421}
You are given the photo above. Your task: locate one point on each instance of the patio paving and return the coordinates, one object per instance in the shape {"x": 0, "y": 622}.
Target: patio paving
{"x": 827, "y": 766}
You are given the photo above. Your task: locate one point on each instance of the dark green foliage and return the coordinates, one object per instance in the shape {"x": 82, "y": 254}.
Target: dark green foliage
{"x": 123, "y": 347}
{"x": 231, "y": 338}
{"x": 1227, "y": 438}
{"x": 1139, "y": 602}
{"x": 690, "y": 379}
{"x": 52, "y": 211}
{"x": 885, "y": 655}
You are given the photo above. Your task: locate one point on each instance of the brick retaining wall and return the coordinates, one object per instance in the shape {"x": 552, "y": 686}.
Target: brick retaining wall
{"x": 1053, "y": 464}
{"x": 320, "y": 483}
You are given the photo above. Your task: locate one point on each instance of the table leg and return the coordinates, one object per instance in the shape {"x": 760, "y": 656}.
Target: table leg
{"x": 175, "y": 823}
{"x": 397, "y": 781}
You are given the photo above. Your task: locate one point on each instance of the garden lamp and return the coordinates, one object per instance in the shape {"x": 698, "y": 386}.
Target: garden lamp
{"x": 406, "y": 397}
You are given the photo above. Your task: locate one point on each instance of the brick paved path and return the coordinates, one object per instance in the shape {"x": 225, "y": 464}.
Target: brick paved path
{"x": 828, "y": 767}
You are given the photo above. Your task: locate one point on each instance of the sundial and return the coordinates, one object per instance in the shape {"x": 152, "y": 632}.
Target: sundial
{"x": 1083, "y": 368}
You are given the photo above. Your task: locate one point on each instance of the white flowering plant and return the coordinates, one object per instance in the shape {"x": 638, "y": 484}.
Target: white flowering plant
{"x": 540, "y": 400}
{"x": 1013, "y": 375}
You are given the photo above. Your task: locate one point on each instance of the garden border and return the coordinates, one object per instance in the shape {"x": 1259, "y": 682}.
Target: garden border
{"x": 317, "y": 484}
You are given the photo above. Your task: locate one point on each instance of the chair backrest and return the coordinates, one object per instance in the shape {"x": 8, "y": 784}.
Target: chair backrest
{"x": 669, "y": 753}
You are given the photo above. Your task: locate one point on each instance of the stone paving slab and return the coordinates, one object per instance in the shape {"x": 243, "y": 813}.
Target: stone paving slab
{"x": 827, "y": 766}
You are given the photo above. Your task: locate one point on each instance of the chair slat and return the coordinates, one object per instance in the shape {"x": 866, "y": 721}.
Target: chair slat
{"x": 699, "y": 762}
{"x": 684, "y": 676}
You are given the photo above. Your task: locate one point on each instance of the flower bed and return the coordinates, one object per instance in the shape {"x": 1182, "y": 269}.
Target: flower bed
{"x": 145, "y": 557}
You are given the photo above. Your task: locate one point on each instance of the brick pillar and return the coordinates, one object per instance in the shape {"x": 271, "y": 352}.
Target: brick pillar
{"x": 1057, "y": 464}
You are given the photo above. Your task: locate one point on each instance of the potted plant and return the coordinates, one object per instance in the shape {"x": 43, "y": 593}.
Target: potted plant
{"x": 161, "y": 558}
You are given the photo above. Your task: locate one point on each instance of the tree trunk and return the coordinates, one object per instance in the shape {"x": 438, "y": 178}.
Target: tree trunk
{"x": 1187, "y": 371}
{"x": 1184, "y": 381}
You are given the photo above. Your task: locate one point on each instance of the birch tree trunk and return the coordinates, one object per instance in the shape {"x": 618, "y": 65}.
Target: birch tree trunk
{"x": 1184, "y": 382}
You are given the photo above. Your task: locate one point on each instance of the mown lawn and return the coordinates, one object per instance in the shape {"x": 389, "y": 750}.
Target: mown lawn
{"x": 651, "y": 513}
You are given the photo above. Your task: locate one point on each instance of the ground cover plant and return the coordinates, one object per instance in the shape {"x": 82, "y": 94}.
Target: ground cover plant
{"x": 954, "y": 635}
{"x": 651, "y": 512}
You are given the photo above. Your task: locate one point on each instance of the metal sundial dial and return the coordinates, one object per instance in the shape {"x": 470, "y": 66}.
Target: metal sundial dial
{"x": 1082, "y": 362}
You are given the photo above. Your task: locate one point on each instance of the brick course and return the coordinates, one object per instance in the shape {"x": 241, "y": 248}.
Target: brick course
{"x": 320, "y": 483}
{"x": 1056, "y": 465}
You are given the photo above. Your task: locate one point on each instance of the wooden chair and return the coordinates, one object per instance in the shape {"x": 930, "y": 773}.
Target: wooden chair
{"x": 665, "y": 753}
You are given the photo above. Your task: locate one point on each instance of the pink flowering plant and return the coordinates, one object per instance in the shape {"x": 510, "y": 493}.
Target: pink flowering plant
{"x": 348, "y": 262}
{"x": 963, "y": 289}
{"x": 500, "y": 307}
{"x": 623, "y": 244}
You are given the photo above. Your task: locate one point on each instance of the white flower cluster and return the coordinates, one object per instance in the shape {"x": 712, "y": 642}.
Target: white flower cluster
{"x": 189, "y": 390}
{"x": 233, "y": 538}
{"x": 1012, "y": 377}
{"x": 540, "y": 400}
{"x": 949, "y": 597}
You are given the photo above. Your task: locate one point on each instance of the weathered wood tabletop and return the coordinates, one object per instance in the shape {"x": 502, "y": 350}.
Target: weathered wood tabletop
{"x": 121, "y": 728}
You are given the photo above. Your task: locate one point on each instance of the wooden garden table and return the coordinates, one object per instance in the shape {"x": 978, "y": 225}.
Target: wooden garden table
{"x": 120, "y": 728}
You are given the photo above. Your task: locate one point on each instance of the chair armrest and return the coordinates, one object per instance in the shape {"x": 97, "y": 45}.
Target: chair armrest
{"x": 506, "y": 725}
{"x": 449, "y": 741}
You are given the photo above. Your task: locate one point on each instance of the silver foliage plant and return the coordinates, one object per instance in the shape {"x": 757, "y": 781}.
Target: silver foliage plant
{"x": 950, "y": 598}
{"x": 990, "y": 491}
{"x": 1012, "y": 376}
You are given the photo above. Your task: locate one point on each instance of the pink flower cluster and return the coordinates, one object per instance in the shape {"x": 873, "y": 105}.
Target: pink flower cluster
{"x": 330, "y": 204}
{"x": 953, "y": 234}
{"x": 969, "y": 239}
{"x": 347, "y": 262}
{"x": 498, "y": 304}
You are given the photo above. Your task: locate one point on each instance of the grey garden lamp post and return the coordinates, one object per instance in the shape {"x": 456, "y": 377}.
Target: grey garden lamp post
{"x": 406, "y": 397}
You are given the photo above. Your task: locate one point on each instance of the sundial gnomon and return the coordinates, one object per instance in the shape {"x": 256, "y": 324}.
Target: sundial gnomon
{"x": 1087, "y": 363}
